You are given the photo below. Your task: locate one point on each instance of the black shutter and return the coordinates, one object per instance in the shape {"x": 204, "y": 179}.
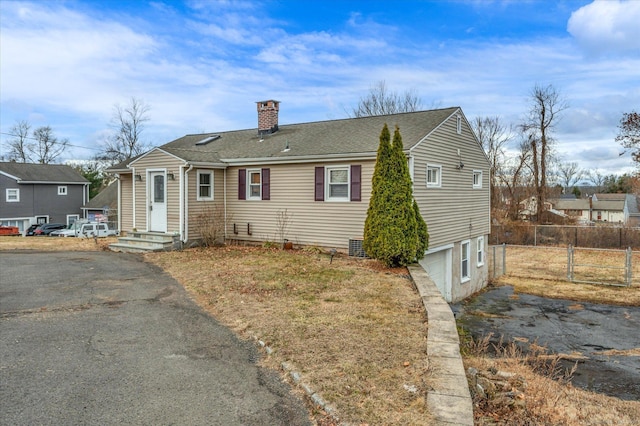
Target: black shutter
{"x": 356, "y": 185}
{"x": 319, "y": 193}
{"x": 266, "y": 184}
{"x": 242, "y": 184}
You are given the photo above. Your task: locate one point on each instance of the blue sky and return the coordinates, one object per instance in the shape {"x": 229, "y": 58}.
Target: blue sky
{"x": 201, "y": 65}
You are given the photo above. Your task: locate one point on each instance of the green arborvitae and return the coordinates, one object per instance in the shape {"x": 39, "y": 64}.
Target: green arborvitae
{"x": 423, "y": 233}
{"x": 393, "y": 233}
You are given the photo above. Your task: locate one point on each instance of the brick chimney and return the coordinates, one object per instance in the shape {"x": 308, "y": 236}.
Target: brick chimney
{"x": 268, "y": 117}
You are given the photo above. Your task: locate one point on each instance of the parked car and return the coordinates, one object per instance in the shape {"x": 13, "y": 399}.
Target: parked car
{"x": 95, "y": 229}
{"x": 47, "y": 228}
{"x": 70, "y": 231}
{"x": 31, "y": 231}
{"x": 9, "y": 230}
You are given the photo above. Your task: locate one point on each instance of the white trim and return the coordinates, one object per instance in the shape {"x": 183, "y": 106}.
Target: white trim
{"x": 433, "y": 184}
{"x": 479, "y": 184}
{"x": 327, "y": 183}
{"x": 17, "y": 195}
{"x": 62, "y": 190}
{"x": 480, "y": 251}
{"x": 248, "y": 177}
{"x": 16, "y": 178}
{"x": 77, "y": 216}
{"x": 201, "y": 172}
{"x": 463, "y": 278}
{"x": 153, "y": 150}
{"x": 457, "y": 111}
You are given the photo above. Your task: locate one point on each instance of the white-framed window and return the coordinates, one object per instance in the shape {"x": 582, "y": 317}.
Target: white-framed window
{"x": 480, "y": 251}
{"x": 434, "y": 176}
{"x": 205, "y": 185}
{"x": 477, "y": 178}
{"x": 13, "y": 195}
{"x": 62, "y": 190}
{"x": 254, "y": 184}
{"x": 459, "y": 124}
{"x": 72, "y": 218}
{"x": 465, "y": 258}
{"x": 337, "y": 188}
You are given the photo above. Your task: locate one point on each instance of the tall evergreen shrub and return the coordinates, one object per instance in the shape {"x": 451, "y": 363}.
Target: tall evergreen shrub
{"x": 394, "y": 229}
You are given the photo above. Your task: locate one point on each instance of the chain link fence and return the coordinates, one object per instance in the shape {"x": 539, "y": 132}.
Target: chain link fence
{"x": 601, "y": 237}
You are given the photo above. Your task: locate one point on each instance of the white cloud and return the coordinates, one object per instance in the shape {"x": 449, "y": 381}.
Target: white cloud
{"x": 610, "y": 26}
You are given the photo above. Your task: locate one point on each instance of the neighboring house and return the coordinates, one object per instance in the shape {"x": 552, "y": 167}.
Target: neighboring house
{"x": 318, "y": 176}
{"x": 632, "y": 210}
{"x": 609, "y": 208}
{"x": 104, "y": 206}
{"x": 40, "y": 193}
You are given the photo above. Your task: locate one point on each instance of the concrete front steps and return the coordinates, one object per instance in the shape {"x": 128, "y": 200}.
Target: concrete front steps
{"x": 141, "y": 242}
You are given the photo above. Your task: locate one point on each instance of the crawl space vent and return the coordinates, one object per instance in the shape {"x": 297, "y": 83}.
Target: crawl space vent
{"x": 355, "y": 248}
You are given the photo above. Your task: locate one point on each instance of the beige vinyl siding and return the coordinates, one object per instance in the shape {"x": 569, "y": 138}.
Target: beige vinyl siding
{"x": 195, "y": 207}
{"x": 321, "y": 223}
{"x": 126, "y": 202}
{"x": 455, "y": 211}
{"x": 159, "y": 161}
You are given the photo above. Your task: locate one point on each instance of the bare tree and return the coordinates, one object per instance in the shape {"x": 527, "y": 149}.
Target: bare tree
{"x": 20, "y": 147}
{"x": 515, "y": 178}
{"x": 47, "y": 147}
{"x": 494, "y": 137}
{"x": 382, "y": 101}
{"x": 546, "y": 107}
{"x": 597, "y": 179}
{"x": 128, "y": 124}
{"x": 570, "y": 174}
{"x": 629, "y": 134}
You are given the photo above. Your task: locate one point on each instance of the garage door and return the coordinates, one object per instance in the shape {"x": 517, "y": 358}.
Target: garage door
{"x": 438, "y": 266}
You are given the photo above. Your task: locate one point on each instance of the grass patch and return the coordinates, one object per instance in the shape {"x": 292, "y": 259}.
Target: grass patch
{"x": 547, "y": 398}
{"x": 56, "y": 243}
{"x": 355, "y": 331}
{"x": 542, "y": 271}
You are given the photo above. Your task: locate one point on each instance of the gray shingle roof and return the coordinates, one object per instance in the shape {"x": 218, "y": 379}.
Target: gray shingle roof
{"x": 107, "y": 197}
{"x": 344, "y": 137}
{"x": 51, "y": 173}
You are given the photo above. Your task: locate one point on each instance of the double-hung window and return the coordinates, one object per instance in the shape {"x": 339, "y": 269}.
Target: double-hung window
{"x": 477, "y": 178}
{"x": 480, "y": 251}
{"x": 465, "y": 257}
{"x": 337, "y": 183}
{"x": 205, "y": 185}
{"x": 254, "y": 184}
{"x": 13, "y": 195}
{"x": 434, "y": 176}
{"x": 62, "y": 190}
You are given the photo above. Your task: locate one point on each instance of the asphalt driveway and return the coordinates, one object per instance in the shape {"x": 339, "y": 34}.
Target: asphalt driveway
{"x": 100, "y": 338}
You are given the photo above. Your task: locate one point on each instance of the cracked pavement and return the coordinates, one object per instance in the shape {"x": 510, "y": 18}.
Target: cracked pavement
{"x": 99, "y": 338}
{"x": 594, "y": 331}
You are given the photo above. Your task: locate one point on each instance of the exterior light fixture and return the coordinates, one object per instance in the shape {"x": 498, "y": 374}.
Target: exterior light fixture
{"x": 139, "y": 177}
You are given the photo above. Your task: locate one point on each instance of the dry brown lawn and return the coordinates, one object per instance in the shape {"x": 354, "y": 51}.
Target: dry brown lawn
{"x": 542, "y": 271}
{"x": 356, "y": 331}
{"x": 549, "y": 401}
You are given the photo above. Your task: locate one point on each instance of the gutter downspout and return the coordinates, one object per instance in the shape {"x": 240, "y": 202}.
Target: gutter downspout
{"x": 184, "y": 199}
{"x": 224, "y": 197}
{"x": 133, "y": 196}
{"x": 119, "y": 202}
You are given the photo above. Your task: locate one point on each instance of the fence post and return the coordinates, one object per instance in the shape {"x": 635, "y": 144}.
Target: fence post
{"x": 494, "y": 262}
{"x": 570, "y": 263}
{"x": 504, "y": 258}
{"x": 628, "y": 266}
{"x": 535, "y": 235}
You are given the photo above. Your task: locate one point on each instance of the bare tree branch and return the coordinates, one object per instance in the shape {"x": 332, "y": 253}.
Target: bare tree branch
{"x": 47, "y": 147}
{"x": 381, "y": 101}
{"x": 128, "y": 123}
{"x": 20, "y": 147}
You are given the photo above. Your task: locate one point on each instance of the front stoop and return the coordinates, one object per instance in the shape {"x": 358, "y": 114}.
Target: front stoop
{"x": 141, "y": 242}
{"x": 450, "y": 400}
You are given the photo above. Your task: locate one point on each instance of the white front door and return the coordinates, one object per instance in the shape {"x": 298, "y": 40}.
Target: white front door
{"x": 157, "y": 202}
